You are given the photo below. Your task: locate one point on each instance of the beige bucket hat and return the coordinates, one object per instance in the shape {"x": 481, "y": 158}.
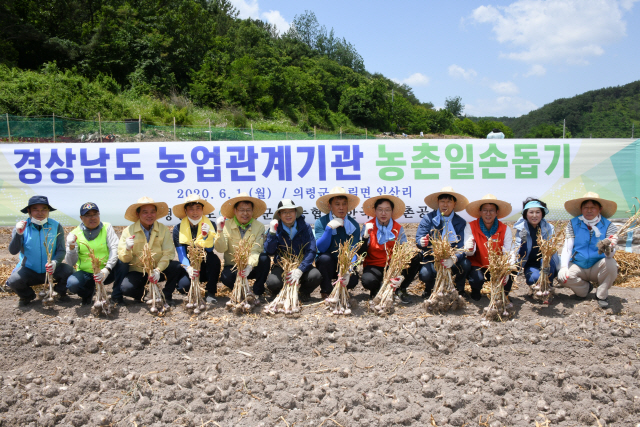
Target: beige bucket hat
{"x": 259, "y": 206}
{"x": 368, "y": 207}
{"x": 179, "y": 210}
{"x": 608, "y": 207}
{"x": 287, "y": 204}
{"x": 131, "y": 215}
{"x": 504, "y": 208}
{"x": 323, "y": 202}
{"x": 432, "y": 199}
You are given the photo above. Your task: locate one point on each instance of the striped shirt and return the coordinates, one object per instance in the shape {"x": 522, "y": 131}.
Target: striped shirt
{"x": 569, "y": 234}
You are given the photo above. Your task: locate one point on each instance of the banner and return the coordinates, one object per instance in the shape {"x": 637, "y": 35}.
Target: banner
{"x": 115, "y": 175}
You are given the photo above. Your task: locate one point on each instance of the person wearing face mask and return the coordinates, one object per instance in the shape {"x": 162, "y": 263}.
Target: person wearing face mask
{"x": 29, "y": 239}
{"x": 238, "y": 221}
{"x": 331, "y": 230}
{"x": 487, "y": 228}
{"x": 102, "y": 239}
{"x": 445, "y": 221}
{"x": 195, "y": 227}
{"x": 288, "y": 231}
{"x": 581, "y": 263}
{"x": 380, "y": 234}
{"x": 527, "y": 229}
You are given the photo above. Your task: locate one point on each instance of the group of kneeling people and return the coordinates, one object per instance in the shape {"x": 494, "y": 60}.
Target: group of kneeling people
{"x": 578, "y": 266}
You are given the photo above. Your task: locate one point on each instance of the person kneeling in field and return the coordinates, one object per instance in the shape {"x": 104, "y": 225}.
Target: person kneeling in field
{"x": 289, "y": 232}
{"x": 527, "y": 229}
{"x": 444, "y": 220}
{"x": 331, "y": 230}
{"x": 242, "y": 212}
{"x": 195, "y": 227}
{"x": 582, "y": 262}
{"x": 31, "y": 239}
{"x": 102, "y": 239}
{"x": 129, "y": 277}
{"x": 380, "y": 235}
{"x": 484, "y": 229}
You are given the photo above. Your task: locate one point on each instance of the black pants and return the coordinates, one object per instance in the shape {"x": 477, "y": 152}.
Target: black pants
{"x": 309, "y": 281}
{"x": 132, "y": 283}
{"x": 209, "y": 272}
{"x": 259, "y": 273}
{"x": 477, "y": 279}
{"x": 327, "y": 264}
{"x": 460, "y": 269}
{"x": 23, "y": 278}
{"x": 372, "y": 276}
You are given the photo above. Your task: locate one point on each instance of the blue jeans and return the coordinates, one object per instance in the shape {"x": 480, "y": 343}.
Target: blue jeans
{"x": 22, "y": 278}
{"x": 259, "y": 273}
{"x": 82, "y": 284}
{"x": 460, "y": 269}
{"x": 532, "y": 274}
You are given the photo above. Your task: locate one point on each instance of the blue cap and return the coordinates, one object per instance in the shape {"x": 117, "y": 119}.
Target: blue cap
{"x": 37, "y": 200}
{"x": 90, "y": 206}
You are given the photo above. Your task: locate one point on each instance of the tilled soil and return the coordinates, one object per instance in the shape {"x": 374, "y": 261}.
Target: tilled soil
{"x": 570, "y": 364}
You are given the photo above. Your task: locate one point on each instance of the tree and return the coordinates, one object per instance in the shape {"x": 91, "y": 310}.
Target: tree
{"x": 454, "y": 105}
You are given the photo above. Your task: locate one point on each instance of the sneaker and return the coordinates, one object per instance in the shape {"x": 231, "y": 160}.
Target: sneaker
{"x": 324, "y": 295}
{"x": 304, "y": 297}
{"x": 117, "y": 300}
{"x": 426, "y": 295}
{"x": 475, "y": 295}
{"x": 403, "y": 296}
{"x": 64, "y": 298}
{"x": 87, "y": 300}
{"x": 210, "y": 298}
{"x": 23, "y": 302}
{"x": 603, "y": 303}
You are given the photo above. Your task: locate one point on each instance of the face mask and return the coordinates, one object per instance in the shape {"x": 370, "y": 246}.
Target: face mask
{"x": 39, "y": 222}
{"x": 194, "y": 221}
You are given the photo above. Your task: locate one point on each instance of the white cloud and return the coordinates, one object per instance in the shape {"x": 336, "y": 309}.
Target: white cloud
{"x": 505, "y": 88}
{"x": 416, "y": 79}
{"x": 536, "y": 70}
{"x": 509, "y": 106}
{"x": 554, "y": 30}
{"x": 274, "y": 17}
{"x": 251, "y": 9}
{"x": 457, "y": 71}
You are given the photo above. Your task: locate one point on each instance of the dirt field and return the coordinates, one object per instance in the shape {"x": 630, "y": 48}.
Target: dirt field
{"x": 570, "y": 364}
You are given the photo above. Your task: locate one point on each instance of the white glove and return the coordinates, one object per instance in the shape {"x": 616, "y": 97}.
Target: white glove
{"x": 220, "y": 223}
{"x": 129, "y": 242}
{"x": 424, "y": 240}
{"x": 367, "y": 229}
{"x": 20, "y": 226}
{"x": 294, "y": 277}
{"x": 191, "y": 272}
{"x": 246, "y": 271}
{"x": 273, "y": 226}
{"x": 50, "y": 267}
{"x": 344, "y": 280}
{"x": 523, "y": 235}
{"x": 101, "y": 276}
{"x": 71, "y": 241}
{"x": 614, "y": 240}
{"x": 470, "y": 247}
{"x": 335, "y": 223}
{"x": 448, "y": 263}
{"x": 154, "y": 276}
{"x": 396, "y": 281}
{"x": 563, "y": 275}
{"x": 205, "y": 229}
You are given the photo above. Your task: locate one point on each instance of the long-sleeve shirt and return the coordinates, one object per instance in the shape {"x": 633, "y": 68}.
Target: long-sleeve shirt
{"x": 160, "y": 242}
{"x": 71, "y": 257}
{"x": 231, "y": 236}
{"x": 17, "y": 243}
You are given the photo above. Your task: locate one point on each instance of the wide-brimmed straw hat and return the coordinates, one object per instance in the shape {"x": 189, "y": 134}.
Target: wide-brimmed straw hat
{"x": 287, "y": 204}
{"x": 368, "y": 207}
{"x": 323, "y": 202}
{"x": 179, "y": 210}
{"x": 259, "y": 206}
{"x": 432, "y": 199}
{"x": 504, "y": 208}
{"x": 574, "y": 206}
{"x": 131, "y": 215}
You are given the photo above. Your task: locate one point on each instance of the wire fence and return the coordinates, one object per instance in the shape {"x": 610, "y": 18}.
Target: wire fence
{"x": 63, "y": 129}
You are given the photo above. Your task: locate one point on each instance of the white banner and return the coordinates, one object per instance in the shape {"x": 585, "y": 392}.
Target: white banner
{"x": 115, "y": 175}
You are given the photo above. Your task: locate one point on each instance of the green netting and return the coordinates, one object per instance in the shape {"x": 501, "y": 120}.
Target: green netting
{"x": 66, "y": 130}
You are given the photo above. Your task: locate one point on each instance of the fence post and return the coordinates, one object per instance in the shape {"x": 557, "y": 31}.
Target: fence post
{"x": 564, "y": 125}
{"x": 286, "y": 135}
{"x": 174, "y": 129}
{"x": 54, "y": 127}
{"x": 140, "y": 123}
{"x": 252, "y": 131}
{"x": 365, "y": 133}
{"x": 9, "y": 129}
{"x": 340, "y": 132}
{"x": 99, "y": 127}
{"x": 314, "y": 132}
{"x": 209, "y": 130}
{"x": 633, "y": 125}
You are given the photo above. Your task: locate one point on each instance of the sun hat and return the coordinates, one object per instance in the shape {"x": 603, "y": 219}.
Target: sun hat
{"x": 131, "y": 214}
{"x": 259, "y": 206}
{"x": 287, "y": 204}
{"x": 37, "y": 200}
{"x": 368, "y": 207}
{"x": 180, "y": 211}
{"x": 432, "y": 199}
{"x": 323, "y": 202}
{"x": 573, "y": 206}
{"x": 504, "y": 208}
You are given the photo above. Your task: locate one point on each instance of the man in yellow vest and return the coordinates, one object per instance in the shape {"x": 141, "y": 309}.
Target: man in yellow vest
{"x": 102, "y": 239}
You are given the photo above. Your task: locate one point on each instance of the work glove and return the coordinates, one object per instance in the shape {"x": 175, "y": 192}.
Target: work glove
{"x": 470, "y": 247}
{"x": 273, "y": 226}
{"x": 205, "y": 229}
{"x": 71, "y": 241}
{"x": 344, "y": 280}
{"x": 20, "y": 226}
{"x": 448, "y": 263}
{"x": 424, "y": 240}
{"x": 523, "y": 235}
{"x": 129, "y": 242}
{"x": 50, "y": 267}
{"x": 101, "y": 276}
{"x": 154, "y": 277}
{"x": 563, "y": 275}
{"x": 396, "y": 281}
{"x": 294, "y": 277}
{"x": 335, "y": 223}
{"x": 367, "y": 229}
{"x": 220, "y": 223}
{"x": 246, "y": 271}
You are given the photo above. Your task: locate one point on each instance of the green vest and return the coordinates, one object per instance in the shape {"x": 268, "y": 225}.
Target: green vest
{"x": 99, "y": 246}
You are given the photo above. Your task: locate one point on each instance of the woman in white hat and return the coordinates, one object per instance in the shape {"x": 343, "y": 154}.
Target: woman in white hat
{"x": 380, "y": 234}
{"x": 581, "y": 261}
{"x": 527, "y": 229}
{"x": 331, "y": 230}
{"x": 288, "y": 231}
{"x": 444, "y": 220}
{"x": 242, "y": 212}
{"x": 195, "y": 226}
{"x": 129, "y": 278}
{"x": 487, "y": 227}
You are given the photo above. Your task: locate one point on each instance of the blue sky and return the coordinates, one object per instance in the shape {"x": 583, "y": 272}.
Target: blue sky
{"x": 504, "y": 58}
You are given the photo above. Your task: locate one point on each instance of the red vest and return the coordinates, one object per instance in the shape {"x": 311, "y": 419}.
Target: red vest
{"x": 377, "y": 253}
{"x": 481, "y": 257}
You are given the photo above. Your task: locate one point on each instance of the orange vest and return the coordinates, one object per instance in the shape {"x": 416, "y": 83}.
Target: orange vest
{"x": 377, "y": 253}
{"x": 481, "y": 257}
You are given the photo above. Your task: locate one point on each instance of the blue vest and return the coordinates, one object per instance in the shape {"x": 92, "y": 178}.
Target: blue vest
{"x": 33, "y": 252}
{"x": 341, "y": 236}
{"x": 585, "y": 251}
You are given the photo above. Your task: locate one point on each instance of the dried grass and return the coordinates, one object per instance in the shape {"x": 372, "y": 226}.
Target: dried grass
{"x": 101, "y": 302}
{"x": 287, "y": 299}
{"x": 338, "y": 302}
{"x": 195, "y": 299}
{"x": 48, "y": 295}
{"x": 628, "y": 269}
{"x": 155, "y": 298}
{"x": 542, "y": 290}
{"x": 242, "y": 297}
{"x": 500, "y": 268}
{"x": 444, "y": 295}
